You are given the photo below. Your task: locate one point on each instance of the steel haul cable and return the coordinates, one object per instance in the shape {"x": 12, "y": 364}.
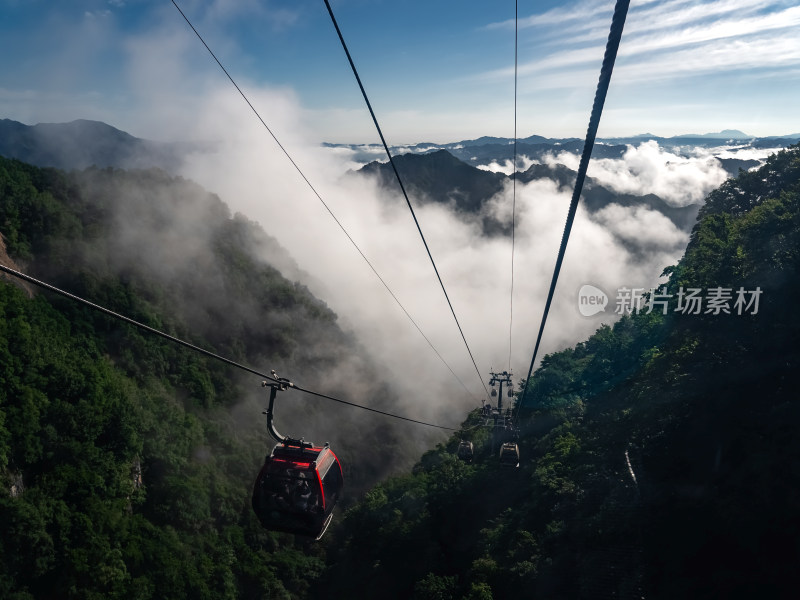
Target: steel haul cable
{"x": 612, "y": 46}
{"x": 402, "y": 187}
{"x": 207, "y": 353}
{"x": 319, "y": 197}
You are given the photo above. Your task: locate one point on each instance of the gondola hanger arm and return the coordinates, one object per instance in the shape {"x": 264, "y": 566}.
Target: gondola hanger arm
{"x": 279, "y": 384}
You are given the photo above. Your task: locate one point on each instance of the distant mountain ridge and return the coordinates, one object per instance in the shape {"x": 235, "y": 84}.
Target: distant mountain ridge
{"x": 440, "y": 177}
{"x": 725, "y": 134}
{"x": 485, "y": 149}
{"x": 438, "y": 172}
{"x": 82, "y": 143}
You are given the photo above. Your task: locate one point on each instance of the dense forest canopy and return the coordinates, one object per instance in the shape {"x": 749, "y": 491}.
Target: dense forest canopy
{"x": 658, "y": 456}
{"x": 127, "y": 460}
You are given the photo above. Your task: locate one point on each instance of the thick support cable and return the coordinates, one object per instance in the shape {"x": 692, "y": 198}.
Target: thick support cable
{"x": 612, "y": 46}
{"x": 281, "y": 382}
{"x": 317, "y": 194}
{"x": 403, "y": 189}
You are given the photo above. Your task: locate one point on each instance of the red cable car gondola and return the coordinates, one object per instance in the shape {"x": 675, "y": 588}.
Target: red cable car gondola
{"x": 299, "y": 484}
{"x": 297, "y": 488}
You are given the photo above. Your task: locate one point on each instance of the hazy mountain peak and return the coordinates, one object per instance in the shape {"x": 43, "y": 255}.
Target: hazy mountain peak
{"x": 725, "y": 134}
{"x": 81, "y": 143}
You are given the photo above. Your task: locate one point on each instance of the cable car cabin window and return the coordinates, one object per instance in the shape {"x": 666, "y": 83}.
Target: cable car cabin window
{"x": 330, "y": 474}
{"x": 287, "y": 496}
{"x": 292, "y": 490}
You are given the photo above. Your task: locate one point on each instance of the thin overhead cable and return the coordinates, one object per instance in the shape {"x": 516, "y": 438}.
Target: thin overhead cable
{"x": 181, "y": 342}
{"x": 375, "y": 410}
{"x": 612, "y": 46}
{"x": 130, "y": 321}
{"x": 514, "y": 185}
{"x": 319, "y": 197}
{"x": 403, "y": 189}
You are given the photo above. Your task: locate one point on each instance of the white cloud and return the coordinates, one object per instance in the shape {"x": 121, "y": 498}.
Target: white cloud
{"x": 668, "y": 40}
{"x": 580, "y": 12}
{"x": 97, "y": 14}
{"x": 649, "y": 169}
{"x": 645, "y": 228}
{"x": 746, "y": 153}
{"x": 523, "y": 164}
{"x": 766, "y": 52}
{"x": 678, "y": 13}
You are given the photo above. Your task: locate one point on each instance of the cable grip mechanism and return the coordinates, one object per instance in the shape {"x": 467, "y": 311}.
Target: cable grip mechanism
{"x": 279, "y": 384}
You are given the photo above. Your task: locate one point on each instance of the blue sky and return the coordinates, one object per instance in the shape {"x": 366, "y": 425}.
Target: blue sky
{"x": 435, "y": 71}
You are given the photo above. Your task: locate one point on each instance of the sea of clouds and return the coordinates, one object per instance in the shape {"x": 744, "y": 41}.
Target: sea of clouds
{"x": 615, "y": 247}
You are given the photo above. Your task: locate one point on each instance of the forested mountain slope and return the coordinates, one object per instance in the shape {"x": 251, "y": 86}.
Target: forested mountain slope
{"x": 659, "y": 457}
{"x": 126, "y": 461}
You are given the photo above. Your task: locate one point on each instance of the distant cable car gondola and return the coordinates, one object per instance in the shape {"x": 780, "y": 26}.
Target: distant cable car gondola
{"x": 299, "y": 484}
{"x": 465, "y": 451}
{"x": 509, "y": 454}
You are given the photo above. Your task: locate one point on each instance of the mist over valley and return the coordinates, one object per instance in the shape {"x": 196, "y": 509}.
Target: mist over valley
{"x": 223, "y": 243}
{"x": 639, "y": 204}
